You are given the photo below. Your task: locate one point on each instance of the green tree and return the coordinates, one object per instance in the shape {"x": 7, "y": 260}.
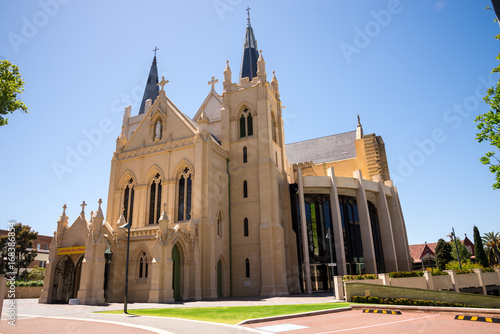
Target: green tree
{"x": 492, "y": 242}
{"x": 443, "y": 253}
{"x": 464, "y": 253}
{"x": 11, "y": 85}
{"x": 36, "y": 274}
{"x": 479, "y": 249}
{"x": 16, "y": 250}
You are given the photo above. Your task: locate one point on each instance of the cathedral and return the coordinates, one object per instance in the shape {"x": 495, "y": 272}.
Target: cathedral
{"x": 218, "y": 205}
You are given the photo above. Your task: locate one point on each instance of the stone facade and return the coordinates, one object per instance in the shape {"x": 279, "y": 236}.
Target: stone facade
{"x": 209, "y": 201}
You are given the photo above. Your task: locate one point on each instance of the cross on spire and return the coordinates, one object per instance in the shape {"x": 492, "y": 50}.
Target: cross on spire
{"x": 83, "y": 205}
{"x": 162, "y": 83}
{"x": 213, "y": 82}
{"x": 248, "y": 13}
{"x": 156, "y": 49}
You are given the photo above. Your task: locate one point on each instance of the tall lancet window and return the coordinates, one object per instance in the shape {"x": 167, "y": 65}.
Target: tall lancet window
{"x": 143, "y": 265}
{"x": 273, "y": 128}
{"x": 155, "y": 200}
{"x": 246, "y": 124}
{"x": 128, "y": 201}
{"x": 184, "y": 199}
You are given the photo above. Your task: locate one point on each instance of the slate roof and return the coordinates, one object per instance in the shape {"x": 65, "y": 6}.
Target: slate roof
{"x": 250, "y": 55}
{"x": 325, "y": 149}
{"x": 151, "y": 91}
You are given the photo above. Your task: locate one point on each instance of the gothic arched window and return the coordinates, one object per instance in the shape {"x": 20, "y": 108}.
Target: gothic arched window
{"x": 273, "y": 128}
{"x": 143, "y": 265}
{"x": 128, "y": 201}
{"x": 247, "y": 268}
{"x": 245, "y": 189}
{"x": 184, "y": 199}
{"x": 246, "y": 124}
{"x": 245, "y": 155}
{"x": 155, "y": 200}
{"x": 245, "y": 227}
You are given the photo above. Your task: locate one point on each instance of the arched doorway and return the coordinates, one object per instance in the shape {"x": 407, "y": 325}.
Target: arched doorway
{"x": 76, "y": 277}
{"x": 176, "y": 273}
{"x": 219, "y": 279}
{"x": 63, "y": 281}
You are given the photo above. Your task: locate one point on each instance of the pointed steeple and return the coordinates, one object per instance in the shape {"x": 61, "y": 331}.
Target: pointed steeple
{"x": 151, "y": 91}
{"x": 359, "y": 130}
{"x": 250, "y": 53}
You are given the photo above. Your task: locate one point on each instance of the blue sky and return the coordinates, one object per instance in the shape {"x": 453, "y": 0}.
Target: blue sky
{"x": 415, "y": 72}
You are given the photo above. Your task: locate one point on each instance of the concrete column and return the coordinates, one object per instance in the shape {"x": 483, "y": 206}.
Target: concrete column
{"x": 385, "y": 226}
{"x": 479, "y": 274}
{"x": 398, "y": 230}
{"x": 430, "y": 280}
{"x": 366, "y": 226}
{"x": 338, "y": 234}
{"x": 339, "y": 288}
{"x": 453, "y": 276}
{"x": 303, "y": 224}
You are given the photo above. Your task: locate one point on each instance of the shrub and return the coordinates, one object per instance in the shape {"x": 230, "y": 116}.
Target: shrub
{"x": 359, "y": 277}
{"x": 454, "y": 265}
{"x": 437, "y": 272}
{"x": 406, "y": 301}
{"x": 400, "y": 274}
{"x": 488, "y": 270}
{"x": 36, "y": 274}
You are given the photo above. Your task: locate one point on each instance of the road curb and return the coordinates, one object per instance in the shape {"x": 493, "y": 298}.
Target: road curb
{"x": 429, "y": 308}
{"x": 296, "y": 315}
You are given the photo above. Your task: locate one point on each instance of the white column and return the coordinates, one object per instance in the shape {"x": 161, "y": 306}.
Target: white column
{"x": 303, "y": 224}
{"x": 338, "y": 234}
{"x": 365, "y": 226}
{"x": 385, "y": 226}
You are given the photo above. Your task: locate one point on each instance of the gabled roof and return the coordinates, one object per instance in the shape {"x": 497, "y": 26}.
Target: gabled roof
{"x": 325, "y": 149}
{"x": 418, "y": 251}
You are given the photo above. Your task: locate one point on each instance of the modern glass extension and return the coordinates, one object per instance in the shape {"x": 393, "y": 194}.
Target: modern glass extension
{"x": 319, "y": 224}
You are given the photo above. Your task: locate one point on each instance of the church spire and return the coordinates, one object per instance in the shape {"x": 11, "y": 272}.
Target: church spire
{"x": 151, "y": 91}
{"x": 250, "y": 53}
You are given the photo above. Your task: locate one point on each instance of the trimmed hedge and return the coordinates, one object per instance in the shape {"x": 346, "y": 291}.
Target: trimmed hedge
{"x": 405, "y": 301}
{"x": 464, "y": 271}
{"x": 29, "y": 283}
{"x": 488, "y": 270}
{"x": 359, "y": 277}
{"x": 401, "y": 274}
{"x": 437, "y": 272}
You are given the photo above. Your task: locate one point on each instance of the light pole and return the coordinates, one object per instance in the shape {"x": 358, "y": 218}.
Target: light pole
{"x": 452, "y": 235}
{"x": 331, "y": 264}
{"x": 126, "y": 226}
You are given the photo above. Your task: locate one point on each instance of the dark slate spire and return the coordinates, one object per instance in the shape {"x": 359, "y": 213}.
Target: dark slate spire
{"x": 151, "y": 91}
{"x": 250, "y": 53}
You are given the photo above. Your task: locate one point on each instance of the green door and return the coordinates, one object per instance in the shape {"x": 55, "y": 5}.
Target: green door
{"x": 219, "y": 280}
{"x": 176, "y": 273}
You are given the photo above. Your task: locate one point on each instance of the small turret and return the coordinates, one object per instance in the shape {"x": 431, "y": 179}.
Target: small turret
{"x": 98, "y": 219}
{"x": 359, "y": 130}
{"x": 227, "y": 77}
{"x": 261, "y": 68}
{"x": 62, "y": 224}
{"x": 274, "y": 86}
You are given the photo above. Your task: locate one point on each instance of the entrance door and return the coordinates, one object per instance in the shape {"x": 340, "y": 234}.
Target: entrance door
{"x": 176, "y": 273}
{"x": 63, "y": 281}
{"x": 219, "y": 280}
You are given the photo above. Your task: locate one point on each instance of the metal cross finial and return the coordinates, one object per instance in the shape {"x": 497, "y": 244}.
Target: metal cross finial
{"x": 162, "y": 83}
{"x": 64, "y": 207}
{"x": 156, "y": 49}
{"x": 83, "y": 205}
{"x": 248, "y": 13}
{"x": 213, "y": 82}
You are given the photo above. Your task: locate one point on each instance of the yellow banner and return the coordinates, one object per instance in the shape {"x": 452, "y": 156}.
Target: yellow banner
{"x": 71, "y": 250}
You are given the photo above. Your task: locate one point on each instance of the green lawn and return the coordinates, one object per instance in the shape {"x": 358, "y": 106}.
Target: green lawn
{"x": 231, "y": 315}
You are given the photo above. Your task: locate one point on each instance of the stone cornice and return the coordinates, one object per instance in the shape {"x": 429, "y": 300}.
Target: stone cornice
{"x": 156, "y": 148}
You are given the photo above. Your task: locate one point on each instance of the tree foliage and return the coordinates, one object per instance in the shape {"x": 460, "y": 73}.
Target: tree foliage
{"x": 36, "y": 274}
{"x": 464, "y": 253}
{"x": 492, "y": 242}
{"x": 443, "y": 254}
{"x": 11, "y": 85}
{"x": 489, "y": 128}
{"x": 479, "y": 249}
{"x": 17, "y": 252}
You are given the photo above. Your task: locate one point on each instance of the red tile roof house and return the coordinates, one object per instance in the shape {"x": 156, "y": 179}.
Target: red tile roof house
{"x": 423, "y": 255}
